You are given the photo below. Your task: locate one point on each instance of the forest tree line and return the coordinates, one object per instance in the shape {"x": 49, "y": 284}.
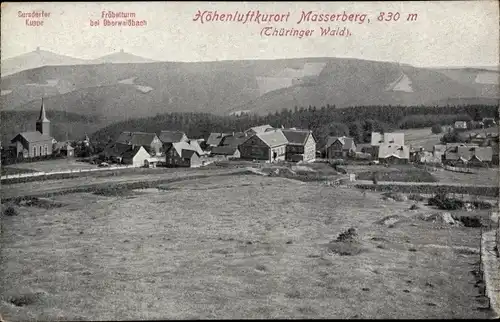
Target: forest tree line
{"x": 357, "y": 122}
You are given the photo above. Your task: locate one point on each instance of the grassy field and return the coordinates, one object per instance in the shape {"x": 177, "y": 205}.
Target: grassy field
{"x": 54, "y": 165}
{"x": 234, "y": 247}
{"x": 481, "y": 176}
{"x": 425, "y": 138}
{"x": 11, "y": 170}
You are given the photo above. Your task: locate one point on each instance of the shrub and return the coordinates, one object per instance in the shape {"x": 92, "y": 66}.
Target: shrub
{"x": 10, "y": 211}
{"x": 347, "y": 236}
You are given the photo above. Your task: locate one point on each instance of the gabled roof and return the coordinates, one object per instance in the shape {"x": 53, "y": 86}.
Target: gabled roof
{"x": 188, "y": 153}
{"x": 234, "y": 140}
{"x": 461, "y": 124}
{"x": 116, "y": 149}
{"x": 273, "y": 138}
{"x": 136, "y": 138}
{"x": 131, "y": 152}
{"x": 394, "y": 150}
{"x": 296, "y": 137}
{"x": 467, "y": 152}
{"x": 196, "y": 146}
{"x": 224, "y": 150}
{"x": 387, "y": 138}
{"x": 259, "y": 129}
{"x": 180, "y": 146}
{"x": 214, "y": 139}
{"x": 171, "y": 136}
{"x": 33, "y": 137}
{"x": 347, "y": 142}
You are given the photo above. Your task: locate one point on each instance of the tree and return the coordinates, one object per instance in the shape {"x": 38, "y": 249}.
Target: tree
{"x": 436, "y": 129}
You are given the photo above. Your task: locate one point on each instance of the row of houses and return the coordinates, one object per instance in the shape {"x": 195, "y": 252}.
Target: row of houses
{"x": 174, "y": 148}
{"x": 391, "y": 148}
{"x": 464, "y": 125}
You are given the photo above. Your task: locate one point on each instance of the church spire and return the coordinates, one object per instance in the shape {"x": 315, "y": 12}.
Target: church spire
{"x": 43, "y": 123}
{"x": 43, "y": 116}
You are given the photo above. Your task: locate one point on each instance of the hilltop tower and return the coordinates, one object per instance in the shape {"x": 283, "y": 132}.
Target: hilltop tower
{"x": 43, "y": 123}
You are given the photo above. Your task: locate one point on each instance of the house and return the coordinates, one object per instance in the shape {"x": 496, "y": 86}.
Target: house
{"x": 126, "y": 154}
{"x": 215, "y": 139}
{"x": 154, "y": 161}
{"x": 378, "y": 139}
{"x": 64, "y": 149}
{"x": 196, "y": 146}
{"x": 136, "y": 156}
{"x": 234, "y": 139}
{"x": 489, "y": 121}
{"x": 169, "y": 137}
{"x": 460, "y": 125}
{"x": 149, "y": 141}
{"x": 229, "y": 152}
{"x": 172, "y": 137}
{"x": 258, "y": 129}
{"x": 394, "y": 153}
{"x": 339, "y": 147}
{"x": 477, "y": 138}
{"x": 265, "y": 146}
{"x": 36, "y": 143}
{"x": 416, "y": 152}
{"x": 182, "y": 154}
{"x": 468, "y": 155}
{"x": 438, "y": 150}
{"x": 301, "y": 145}
{"x": 113, "y": 152}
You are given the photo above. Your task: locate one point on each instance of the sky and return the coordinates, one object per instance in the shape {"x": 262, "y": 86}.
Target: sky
{"x": 445, "y": 33}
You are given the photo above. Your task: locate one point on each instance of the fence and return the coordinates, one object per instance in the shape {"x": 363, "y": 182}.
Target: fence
{"x": 42, "y": 173}
{"x": 489, "y": 257}
{"x": 458, "y": 169}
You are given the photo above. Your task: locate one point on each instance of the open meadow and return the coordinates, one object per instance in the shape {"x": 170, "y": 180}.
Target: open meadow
{"x": 237, "y": 247}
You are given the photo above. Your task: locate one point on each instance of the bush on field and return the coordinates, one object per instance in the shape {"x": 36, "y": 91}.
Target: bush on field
{"x": 10, "y": 211}
{"x": 346, "y": 243}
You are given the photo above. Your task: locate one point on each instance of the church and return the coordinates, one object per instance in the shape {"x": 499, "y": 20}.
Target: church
{"x": 34, "y": 144}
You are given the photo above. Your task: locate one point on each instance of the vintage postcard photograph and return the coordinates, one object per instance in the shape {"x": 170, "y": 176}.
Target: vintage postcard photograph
{"x": 249, "y": 160}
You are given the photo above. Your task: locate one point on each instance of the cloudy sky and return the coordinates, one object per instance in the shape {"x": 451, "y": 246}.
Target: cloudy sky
{"x": 447, "y": 33}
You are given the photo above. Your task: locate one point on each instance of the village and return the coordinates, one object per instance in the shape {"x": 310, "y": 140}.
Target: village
{"x": 262, "y": 143}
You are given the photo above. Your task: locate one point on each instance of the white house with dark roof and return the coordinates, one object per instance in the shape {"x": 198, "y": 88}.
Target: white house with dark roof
{"x": 37, "y": 143}
{"x": 301, "y": 145}
{"x": 384, "y": 144}
{"x": 460, "y": 125}
{"x": 394, "y": 153}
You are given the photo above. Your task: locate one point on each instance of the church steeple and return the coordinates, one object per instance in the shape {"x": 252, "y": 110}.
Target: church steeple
{"x": 43, "y": 123}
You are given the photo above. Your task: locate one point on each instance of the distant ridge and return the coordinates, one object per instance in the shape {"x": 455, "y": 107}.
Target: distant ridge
{"x": 40, "y": 58}
{"x": 121, "y": 58}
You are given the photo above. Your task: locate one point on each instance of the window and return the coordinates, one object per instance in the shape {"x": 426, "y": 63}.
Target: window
{"x": 40, "y": 150}
{"x": 46, "y": 150}
{"x": 34, "y": 151}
